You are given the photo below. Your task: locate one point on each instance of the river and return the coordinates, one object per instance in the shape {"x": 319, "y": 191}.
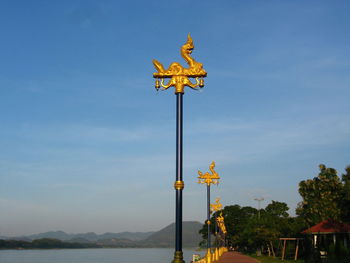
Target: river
{"x": 100, "y": 255}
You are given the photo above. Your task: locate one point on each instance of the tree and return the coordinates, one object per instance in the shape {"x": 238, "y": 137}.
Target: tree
{"x": 345, "y": 202}
{"x": 247, "y": 231}
{"x": 273, "y": 224}
{"x": 321, "y": 197}
{"x": 236, "y": 219}
{"x": 277, "y": 209}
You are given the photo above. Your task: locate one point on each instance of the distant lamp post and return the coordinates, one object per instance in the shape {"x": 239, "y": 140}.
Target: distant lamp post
{"x": 221, "y": 223}
{"x": 259, "y": 201}
{"x": 179, "y": 78}
{"x": 208, "y": 179}
{"x": 215, "y": 208}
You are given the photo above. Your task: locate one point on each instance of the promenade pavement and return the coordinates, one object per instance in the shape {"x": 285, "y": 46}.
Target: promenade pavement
{"x": 235, "y": 257}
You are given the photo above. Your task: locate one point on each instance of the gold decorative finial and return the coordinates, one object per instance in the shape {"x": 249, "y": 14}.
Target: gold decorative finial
{"x": 209, "y": 178}
{"x": 217, "y": 206}
{"x": 179, "y": 75}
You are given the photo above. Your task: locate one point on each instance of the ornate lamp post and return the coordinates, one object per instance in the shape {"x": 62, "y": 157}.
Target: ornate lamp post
{"x": 215, "y": 208}
{"x": 208, "y": 179}
{"x": 180, "y": 78}
{"x": 220, "y": 221}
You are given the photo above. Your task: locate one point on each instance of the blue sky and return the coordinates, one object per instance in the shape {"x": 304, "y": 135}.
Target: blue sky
{"x": 87, "y": 144}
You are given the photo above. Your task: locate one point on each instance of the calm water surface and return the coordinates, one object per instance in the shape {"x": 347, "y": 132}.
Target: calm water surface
{"x": 108, "y": 255}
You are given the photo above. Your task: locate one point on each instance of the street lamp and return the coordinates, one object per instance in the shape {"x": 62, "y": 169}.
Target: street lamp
{"x": 208, "y": 179}
{"x": 179, "y": 78}
{"x": 221, "y": 222}
{"x": 215, "y": 208}
{"x": 259, "y": 200}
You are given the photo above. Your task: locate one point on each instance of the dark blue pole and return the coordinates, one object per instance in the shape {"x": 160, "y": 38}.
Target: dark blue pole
{"x": 208, "y": 215}
{"x": 178, "y": 257}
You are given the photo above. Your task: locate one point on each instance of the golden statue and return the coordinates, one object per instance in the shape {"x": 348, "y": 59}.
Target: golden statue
{"x": 217, "y": 206}
{"x": 209, "y": 178}
{"x": 179, "y": 75}
{"x": 221, "y": 223}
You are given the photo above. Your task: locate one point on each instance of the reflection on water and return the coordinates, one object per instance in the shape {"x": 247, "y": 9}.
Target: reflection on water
{"x": 108, "y": 255}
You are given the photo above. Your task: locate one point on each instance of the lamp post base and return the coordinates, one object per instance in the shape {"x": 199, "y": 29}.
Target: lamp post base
{"x": 217, "y": 256}
{"x": 178, "y": 257}
{"x": 209, "y": 256}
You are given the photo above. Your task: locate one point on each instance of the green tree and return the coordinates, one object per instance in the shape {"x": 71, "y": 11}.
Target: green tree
{"x": 246, "y": 230}
{"x": 236, "y": 219}
{"x": 345, "y": 201}
{"x": 277, "y": 209}
{"x": 274, "y": 222}
{"x": 278, "y": 220}
{"x": 321, "y": 197}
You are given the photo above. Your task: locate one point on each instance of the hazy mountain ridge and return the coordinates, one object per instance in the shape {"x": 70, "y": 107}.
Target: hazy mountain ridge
{"x": 90, "y": 236}
{"x": 166, "y": 236}
{"x": 162, "y": 238}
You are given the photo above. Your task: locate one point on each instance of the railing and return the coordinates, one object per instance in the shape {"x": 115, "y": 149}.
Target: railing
{"x": 213, "y": 257}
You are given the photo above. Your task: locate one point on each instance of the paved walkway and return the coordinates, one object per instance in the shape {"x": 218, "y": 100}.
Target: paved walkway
{"x": 235, "y": 257}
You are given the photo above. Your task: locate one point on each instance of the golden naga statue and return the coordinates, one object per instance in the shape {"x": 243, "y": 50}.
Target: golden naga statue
{"x": 217, "y": 206}
{"x": 221, "y": 223}
{"x": 209, "y": 178}
{"x": 179, "y": 75}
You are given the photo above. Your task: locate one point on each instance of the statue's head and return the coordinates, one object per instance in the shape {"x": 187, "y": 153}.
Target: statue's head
{"x": 188, "y": 46}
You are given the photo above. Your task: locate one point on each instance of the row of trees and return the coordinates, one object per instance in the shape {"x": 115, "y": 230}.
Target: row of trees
{"x": 326, "y": 196}
{"x": 248, "y": 229}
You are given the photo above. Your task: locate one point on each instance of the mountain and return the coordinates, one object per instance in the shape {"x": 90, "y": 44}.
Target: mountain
{"x": 86, "y": 237}
{"x": 91, "y": 236}
{"x": 133, "y": 236}
{"x": 162, "y": 238}
{"x": 166, "y": 236}
{"x": 115, "y": 242}
{"x": 60, "y": 235}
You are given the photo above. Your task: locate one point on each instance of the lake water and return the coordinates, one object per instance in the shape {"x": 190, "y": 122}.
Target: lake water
{"x": 101, "y": 255}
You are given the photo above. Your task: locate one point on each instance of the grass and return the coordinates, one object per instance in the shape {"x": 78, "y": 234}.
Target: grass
{"x": 266, "y": 259}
